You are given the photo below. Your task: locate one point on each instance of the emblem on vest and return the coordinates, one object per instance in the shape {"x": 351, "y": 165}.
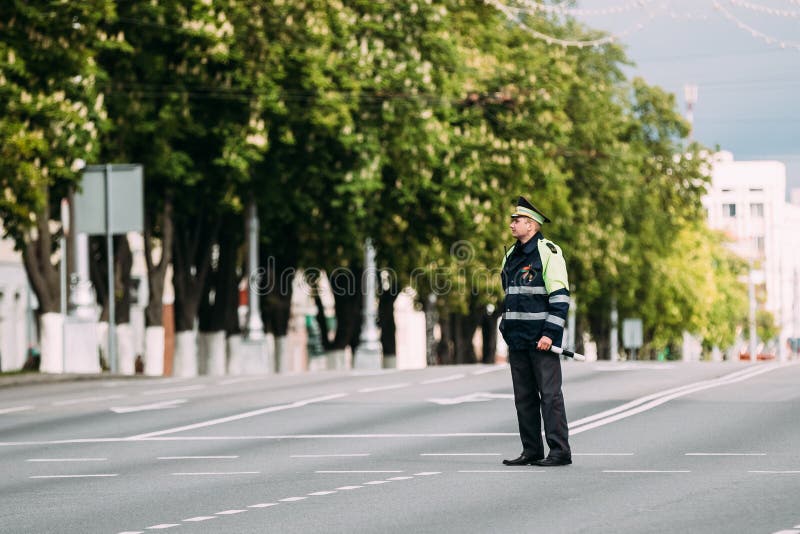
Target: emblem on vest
{"x": 528, "y": 274}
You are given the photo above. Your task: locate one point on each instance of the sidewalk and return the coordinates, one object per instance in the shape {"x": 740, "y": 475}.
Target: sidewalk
{"x": 35, "y": 378}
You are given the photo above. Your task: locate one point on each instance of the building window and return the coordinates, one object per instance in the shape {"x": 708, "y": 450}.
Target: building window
{"x": 729, "y": 210}
{"x": 757, "y": 210}
{"x": 759, "y": 239}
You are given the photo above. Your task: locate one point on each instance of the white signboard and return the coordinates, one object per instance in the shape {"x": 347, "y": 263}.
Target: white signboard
{"x": 632, "y": 333}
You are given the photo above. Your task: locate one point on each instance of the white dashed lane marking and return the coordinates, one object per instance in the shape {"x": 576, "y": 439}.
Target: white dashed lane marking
{"x": 645, "y": 471}
{"x": 220, "y": 473}
{"x": 197, "y": 457}
{"x": 384, "y": 388}
{"x": 353, "y": 472}
{"x": 236, "y": 511}
{"x": 725, "y": 454}
{"x": 444, "y": 379}
{"x": 101, "y": 475}
{"x": 66, "y": 459}
{"x": 329, "y": 455}
{"x": 460, "y": 454}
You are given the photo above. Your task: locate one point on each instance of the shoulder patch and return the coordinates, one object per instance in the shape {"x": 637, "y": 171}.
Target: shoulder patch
{"x": 552, "y": 247}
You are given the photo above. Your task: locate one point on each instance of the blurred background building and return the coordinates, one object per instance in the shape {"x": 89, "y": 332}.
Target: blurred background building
{"x": 747, "y": 201}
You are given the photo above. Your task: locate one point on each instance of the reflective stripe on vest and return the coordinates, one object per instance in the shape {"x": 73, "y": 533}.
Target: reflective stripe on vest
{"x": 526, "y": 290}
{"x": 556, "y": 299}
{"x": 555, "y": 320}
{"x": 525, "y": 316}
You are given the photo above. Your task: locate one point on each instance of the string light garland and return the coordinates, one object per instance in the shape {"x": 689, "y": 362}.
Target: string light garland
{"x": 509, "y": 12}
{"x": 765, "y": 9}
{"x": 560, "y": 9}
{"x": 752, "y": 31}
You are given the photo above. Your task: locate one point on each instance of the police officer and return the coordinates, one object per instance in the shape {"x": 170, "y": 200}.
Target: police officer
{"x": 535, "y": 310}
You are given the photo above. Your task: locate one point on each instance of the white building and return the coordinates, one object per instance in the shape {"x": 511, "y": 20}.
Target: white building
{"x": 15, "y": 326}
{"x": 747, "y": 201}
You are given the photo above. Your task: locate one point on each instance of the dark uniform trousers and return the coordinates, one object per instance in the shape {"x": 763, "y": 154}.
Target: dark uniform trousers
{"x": 537, "y": 388}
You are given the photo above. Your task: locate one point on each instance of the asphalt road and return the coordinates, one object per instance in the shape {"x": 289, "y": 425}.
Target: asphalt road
{"x": 668, "y": 447}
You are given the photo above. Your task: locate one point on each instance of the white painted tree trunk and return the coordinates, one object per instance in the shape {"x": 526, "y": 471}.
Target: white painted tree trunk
{"x": 235, "y": 363}
{"x": 211, "y": 352}
{"x": 126, "y": 353}
{"x": 154, "y": 351}
{"x": 185, "y": 363}
{"x": 339, "y": 359}
{"x": 51, "y": 343}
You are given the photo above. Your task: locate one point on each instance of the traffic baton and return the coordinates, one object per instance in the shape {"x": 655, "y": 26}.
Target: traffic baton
{"x": 568, "y": 353}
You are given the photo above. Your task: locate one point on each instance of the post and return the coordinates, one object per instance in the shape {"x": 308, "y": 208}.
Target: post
{"x": 81, "y": 290}
{"x": 112, "y": 347}
{"x": 368, "y": 354}
{"x": 614, "y": 342}
{"x": 63, "y": 275}
{"x": 255, "y": 326}
{"x": 751, "y": 293}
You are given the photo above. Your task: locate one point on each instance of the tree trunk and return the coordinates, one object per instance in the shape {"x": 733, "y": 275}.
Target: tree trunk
{"x": 98, "y": 273}
{"x": 36, "y": 257}
{"x": 348, "y": 304}
{"x": 386, "y": 321}
{"x": 156, "y": 272}
{"x": 191, "y": 265}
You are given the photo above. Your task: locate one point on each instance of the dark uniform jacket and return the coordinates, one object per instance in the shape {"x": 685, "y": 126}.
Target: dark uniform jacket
{"x": 537, "y": 293}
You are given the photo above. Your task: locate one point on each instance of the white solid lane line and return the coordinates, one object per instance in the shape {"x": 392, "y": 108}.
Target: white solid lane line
{"x": 15, "y": 409}
{"x": 230, "y": 512}
{"x": 384, "y": 388}
{"x": 725, "y": 454}
{"x": 460, "y": 454}
{"x": 253, "y": 413}
{"x": 263, "y": 505}
{"x": 197, "y": 457}
{"x": 427, "y": 473}
{"x": 293, "y": 499}
{"x": 78, "y": 476}
{"x": 376, "y": 482}
{"x": 199, "y": 518}
{"x": 162, "y": 526}
{"x": 444, "y": 379}
{"x": 317, "y": 493}
{"x": 66, "y": 459}
{"x": 641, "y": 405}
{"x": 329, "y": 455}
{"x": 400, "y": 478}
{"x": 345, "y": 488}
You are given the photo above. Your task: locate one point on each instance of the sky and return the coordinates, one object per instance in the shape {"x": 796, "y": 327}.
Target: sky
{"x": 748, "y": 89}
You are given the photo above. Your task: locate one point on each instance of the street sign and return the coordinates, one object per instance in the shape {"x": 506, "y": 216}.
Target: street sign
{"x": 125, "y": 199}
{"x": 632, "y": 333}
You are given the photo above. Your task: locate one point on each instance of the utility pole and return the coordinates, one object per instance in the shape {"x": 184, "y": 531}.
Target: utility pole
{"x": 368, "y": 354}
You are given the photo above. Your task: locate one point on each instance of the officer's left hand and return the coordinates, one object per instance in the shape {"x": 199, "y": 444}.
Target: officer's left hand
{"x": 544, "y": 343}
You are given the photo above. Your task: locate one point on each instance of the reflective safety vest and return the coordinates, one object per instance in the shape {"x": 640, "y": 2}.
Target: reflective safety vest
{"x": 535, "y": 281}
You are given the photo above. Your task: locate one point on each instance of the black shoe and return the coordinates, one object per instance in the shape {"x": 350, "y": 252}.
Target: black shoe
{"x": 523, "y": 459}
{"x": 551, "y": 461}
